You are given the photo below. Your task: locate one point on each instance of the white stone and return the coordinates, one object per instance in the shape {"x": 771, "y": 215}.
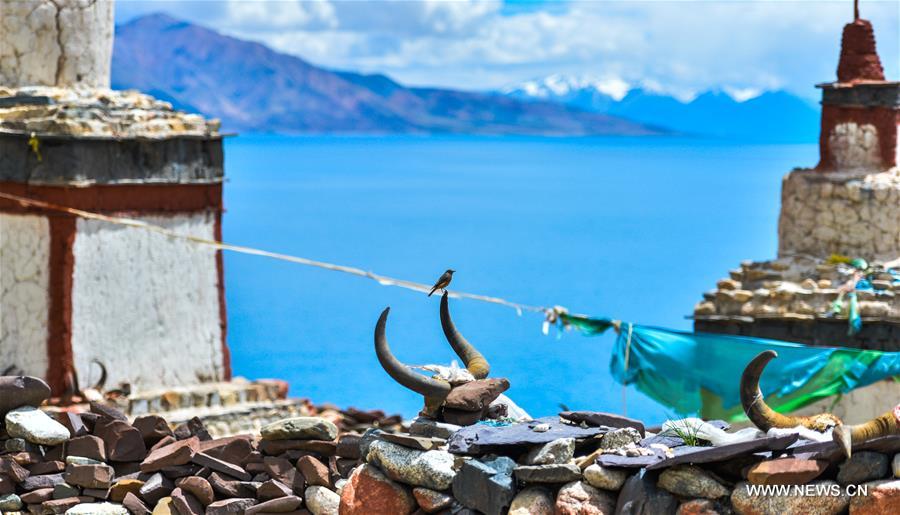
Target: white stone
{"x": 895, "y": 465}
{"x": 56, "y": 42}
{"x": 102, "y": 508}
{"x": 604, "y": 477}
{"x": 558, "y": 451}
{"x": 161, "y": 300}
{"x": 431, "y": 469}
{"x": 24, "y": 301}
{"x": 35, "y": 426}
{"x": 321, "y": 501}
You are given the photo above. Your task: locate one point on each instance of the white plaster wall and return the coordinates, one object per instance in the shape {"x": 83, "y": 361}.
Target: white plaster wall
{"x": 24, "y": 299}
{"x": 56, "y": 42}
{"x": 861, "y": 404}
{"x": 145, "y": 305}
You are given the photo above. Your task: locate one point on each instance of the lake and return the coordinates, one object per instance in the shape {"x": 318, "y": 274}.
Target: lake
{"x": 631, "y": 228}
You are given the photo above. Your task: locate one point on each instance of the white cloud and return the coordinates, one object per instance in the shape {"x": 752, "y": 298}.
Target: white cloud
{"x": 741, "y": 47}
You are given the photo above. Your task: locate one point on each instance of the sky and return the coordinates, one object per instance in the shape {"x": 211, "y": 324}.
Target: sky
{"x": 682, "y": 48}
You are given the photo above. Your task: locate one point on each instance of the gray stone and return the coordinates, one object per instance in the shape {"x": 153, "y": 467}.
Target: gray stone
{"x": 300, "y": 428}
{"x": 422, "y": 426}
{"x": 10, "y": 502}
{"x": 18, "y": 391}
{"x": 64, "y": 491}
{"x": 42, "y": 481}
{"x": 103, "y": 508}
{"x": 640, "y": 496}
{"x": 794, "y": 500}
{"x": 21, "y": 445}
{"x": 556, "y": 452}
{"x": 533, "y": 500}
{"x": 482, "y": 439}
{"x": 618, "y": 438}
{"x": 688, "y": 454}
{"x": 321, "y": 501}
{"x": 229, "y": 506}
{"x": 690, "y": 481}
{"x": 35, "y": 426}
{"x": 550, "y": 474}
{"x": 605, "y": 478}
{"x": 502, "y": 464}
{"x": 365, "y": 441}
{"x": 895, "y": 465}
{"x": 862, "y": 467}
{"x": 431, "y": 469}
{"x": 484, "y": 488}
{"x": 80, "y": 460}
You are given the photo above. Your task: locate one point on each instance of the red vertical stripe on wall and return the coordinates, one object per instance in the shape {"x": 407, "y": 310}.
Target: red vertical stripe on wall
{"x": 61, "y": 365}
{"x": 223, "y": 317}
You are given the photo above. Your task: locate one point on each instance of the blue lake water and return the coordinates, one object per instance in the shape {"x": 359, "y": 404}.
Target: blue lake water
{"x": 635, "y": 229}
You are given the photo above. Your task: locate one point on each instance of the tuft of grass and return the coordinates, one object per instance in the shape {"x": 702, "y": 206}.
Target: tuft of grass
{"x": 686, "y": 432}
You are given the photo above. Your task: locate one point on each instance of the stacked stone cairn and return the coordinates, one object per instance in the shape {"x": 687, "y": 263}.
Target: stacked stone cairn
{"x": 99, "y": 462}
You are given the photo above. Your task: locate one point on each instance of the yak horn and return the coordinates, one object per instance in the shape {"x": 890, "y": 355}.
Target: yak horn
{"x": 887, "y": 424}
{"x": 474, "y": 360}
{"x": 101, "y": 383}
{"x": 426, "y": 386}
{"x": 761, "y": 414}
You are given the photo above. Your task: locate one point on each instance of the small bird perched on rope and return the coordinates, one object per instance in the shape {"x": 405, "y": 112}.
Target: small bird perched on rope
{"x": 442, "y": 282}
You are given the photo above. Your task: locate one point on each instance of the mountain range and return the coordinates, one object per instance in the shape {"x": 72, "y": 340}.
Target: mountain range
{"x": 775, "y": 116}
{"x": 254, "y": 88}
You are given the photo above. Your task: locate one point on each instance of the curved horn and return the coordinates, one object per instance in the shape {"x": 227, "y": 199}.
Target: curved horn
{"x": 474, "y": 360}
{"x": 102, "y": 381}
{"x": 761, "y": 414}
{"x": 401, "y": 373}
{"x": 885, "y": 425}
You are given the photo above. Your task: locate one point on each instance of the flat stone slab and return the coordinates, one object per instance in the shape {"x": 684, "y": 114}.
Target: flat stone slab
{"x": 483, "y": 439}
{"x": 421, "y": 443}
{"x": 688, "y": 454}
{"x": 601, "y": 419}
{"x": 616, "y": 460}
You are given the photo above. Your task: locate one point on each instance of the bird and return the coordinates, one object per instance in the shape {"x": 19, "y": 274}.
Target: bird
{"x": 443, "y": 281}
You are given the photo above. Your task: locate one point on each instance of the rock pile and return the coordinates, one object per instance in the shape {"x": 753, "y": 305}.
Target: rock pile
{"x": 99, "y": 462}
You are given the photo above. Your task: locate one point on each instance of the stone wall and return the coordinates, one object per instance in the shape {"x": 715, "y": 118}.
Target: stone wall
{"x": 850, "y": 213}
{"x": 153, "y": 319}
{"x": 60, "y": 43}
{"x": 24, "y": 255}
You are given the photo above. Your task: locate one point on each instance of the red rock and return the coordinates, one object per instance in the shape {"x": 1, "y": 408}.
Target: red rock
{"x": 73, "y": 423}
{"x": 6, "y": 485}
{"x": 9, "y": 467}
{"x": 580, "y": 498}
{"x": 89, "y": 476}
{"x": 134, "y": 505}
{"x": 18, "y": 391}
{"x": 700, "y": 507}
{"x": 348, "y": 446}
{"x": 107, "y": 411}
{"x": 314, "y": 471}
{"x": 234, "y": 449}
{"x": 280, "y": 469}
{"x": 277, "y": 447}
{"x": 476, "y": 395}
{"x": 205, "y": 460}
{"x": 153, "y": 428}
{"x": 166, "y": 440}
{"x": 272, "y": 489}
{"x": 37, "y": 496}
{"x": 786, "y": 471}
{"x": 185, "y": 503}
{"x": 96, "y": 493}
{"x": 88, "y": 446}
{"x": 177, "y": 453}
{"x": 198, "y": 487}
{"x": 228, "y": 488}
{"x": 25, "y": 458}
{"x": 62, "y": 505}
{"x": 155, "y": 488}
{"x": 122, "y": 442}
{"x": 881, "y": 497}
{"x": 281, "y": 505}
{"x": 368, "y": 491}
{"x": 47, "y": 467}
{"x": 432, "y": 501}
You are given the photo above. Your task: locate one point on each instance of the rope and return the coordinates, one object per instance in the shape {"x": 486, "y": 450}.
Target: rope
{"x": 380, "y": 279}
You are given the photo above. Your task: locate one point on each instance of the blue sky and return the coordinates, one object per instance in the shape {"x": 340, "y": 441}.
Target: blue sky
{"x": 677, "y": 47}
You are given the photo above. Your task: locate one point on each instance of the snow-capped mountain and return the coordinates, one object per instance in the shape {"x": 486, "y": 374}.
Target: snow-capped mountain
{"x": 726, "y": 113}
